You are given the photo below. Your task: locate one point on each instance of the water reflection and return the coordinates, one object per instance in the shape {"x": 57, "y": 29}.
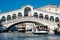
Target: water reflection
{"x": 25, "y": 36}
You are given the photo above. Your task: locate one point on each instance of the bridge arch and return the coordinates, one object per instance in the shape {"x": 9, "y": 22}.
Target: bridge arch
{"x": 37, "y": 23}
{"x": 50, "y": 24}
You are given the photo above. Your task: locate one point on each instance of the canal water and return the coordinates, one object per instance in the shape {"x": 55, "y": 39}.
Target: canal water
{"x": 28, "y": 36}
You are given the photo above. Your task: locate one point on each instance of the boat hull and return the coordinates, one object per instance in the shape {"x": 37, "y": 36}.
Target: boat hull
{"x": 40, "y": 32}
{"x": 56, "y": 32}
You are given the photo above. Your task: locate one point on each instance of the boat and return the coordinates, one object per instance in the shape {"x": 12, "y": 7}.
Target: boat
{"x": 21, "y": 29}
{"x": 57, "y": 30}
{"x": 40, "y": 30}
{"x": 51, "y": 32}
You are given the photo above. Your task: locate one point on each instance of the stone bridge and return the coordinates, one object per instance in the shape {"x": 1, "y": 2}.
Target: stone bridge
{"x": 50, "y": 24}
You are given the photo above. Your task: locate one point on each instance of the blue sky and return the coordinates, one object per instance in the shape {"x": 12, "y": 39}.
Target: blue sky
{"x": 9, "y": 5}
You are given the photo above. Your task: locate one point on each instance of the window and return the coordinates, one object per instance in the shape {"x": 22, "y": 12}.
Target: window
{"x": 3, "y": 18}
{"x": 56, "y": 19}
{"x": 35, "y": 14}
{"x": 26, "y": 11}
{"x": 41, "y": 15}
{"x": 51, "y": 18}
{"x": 46, "y": 17}
{"x": 14, "y": 16}
{"x": 19, "y": 14}
{"x": 8, "y": 17}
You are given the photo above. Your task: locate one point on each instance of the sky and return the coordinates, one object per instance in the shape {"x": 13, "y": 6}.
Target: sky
{"x": 10, "y": 5}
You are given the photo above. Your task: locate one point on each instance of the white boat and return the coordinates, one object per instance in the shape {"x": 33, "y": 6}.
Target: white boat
{"x": 40, "y": 30}
{"x": 51, "y": 31}
{"x": 21, "y": 29}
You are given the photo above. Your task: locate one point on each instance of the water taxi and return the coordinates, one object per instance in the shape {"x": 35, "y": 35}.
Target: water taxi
{"x": 40, "y": 30}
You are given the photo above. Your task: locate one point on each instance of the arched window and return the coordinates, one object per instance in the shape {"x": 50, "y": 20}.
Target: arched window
{"x": 56, "y": 19}
{"x": 19, "y": 14}
{"x": 51, "y": 18}
{"x": 26, "y": 11}
{"x": 41, "y": 15}
{"x": 3, "y": 18}
{"x": 46, "y": 17}
{"x": 35, "y": 14}
{"x": 8, "y": 17}
{"x": 14, "y": 16}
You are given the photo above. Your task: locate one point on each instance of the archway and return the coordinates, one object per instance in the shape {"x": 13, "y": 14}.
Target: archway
{"x": 23, "y": 22}
{"x": 41, "y": 15}
{"x": 3, "y": 18}
{"x": 46, "y": 17}
{"x": 26, "y": 11}
{"x": 35, "y": 14}
{"x": 56, "y": 19}
{"x": 19, "y": 14}
{"x": 14, "y": 16}
{"x": 51, "y": 18}
{"x": 8, "y": 17}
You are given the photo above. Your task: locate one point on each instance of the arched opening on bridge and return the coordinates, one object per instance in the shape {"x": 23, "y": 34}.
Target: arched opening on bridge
{"x": 51, "y": 18}
{"x": 19, "y": 14}
{"x": 3, "y": 18}
{"x": 14, "y": 16}
{"x": 41, "y": 15}
{"x": 36, "y": 23}
{"x": 35, "y": 14}
{"x": 56, "y": 19}
{"x": 26, "y": 11}
{"x": 46, "y": 17}
{"x": 8, "y": 17}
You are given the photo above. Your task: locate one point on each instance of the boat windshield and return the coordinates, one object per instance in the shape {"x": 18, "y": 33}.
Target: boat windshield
{"x": 42, "y": 28}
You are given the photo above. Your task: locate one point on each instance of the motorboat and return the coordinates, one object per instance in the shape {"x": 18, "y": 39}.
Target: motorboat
{"x": 21, "y": 29}
{"x": 40, "y": 30}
